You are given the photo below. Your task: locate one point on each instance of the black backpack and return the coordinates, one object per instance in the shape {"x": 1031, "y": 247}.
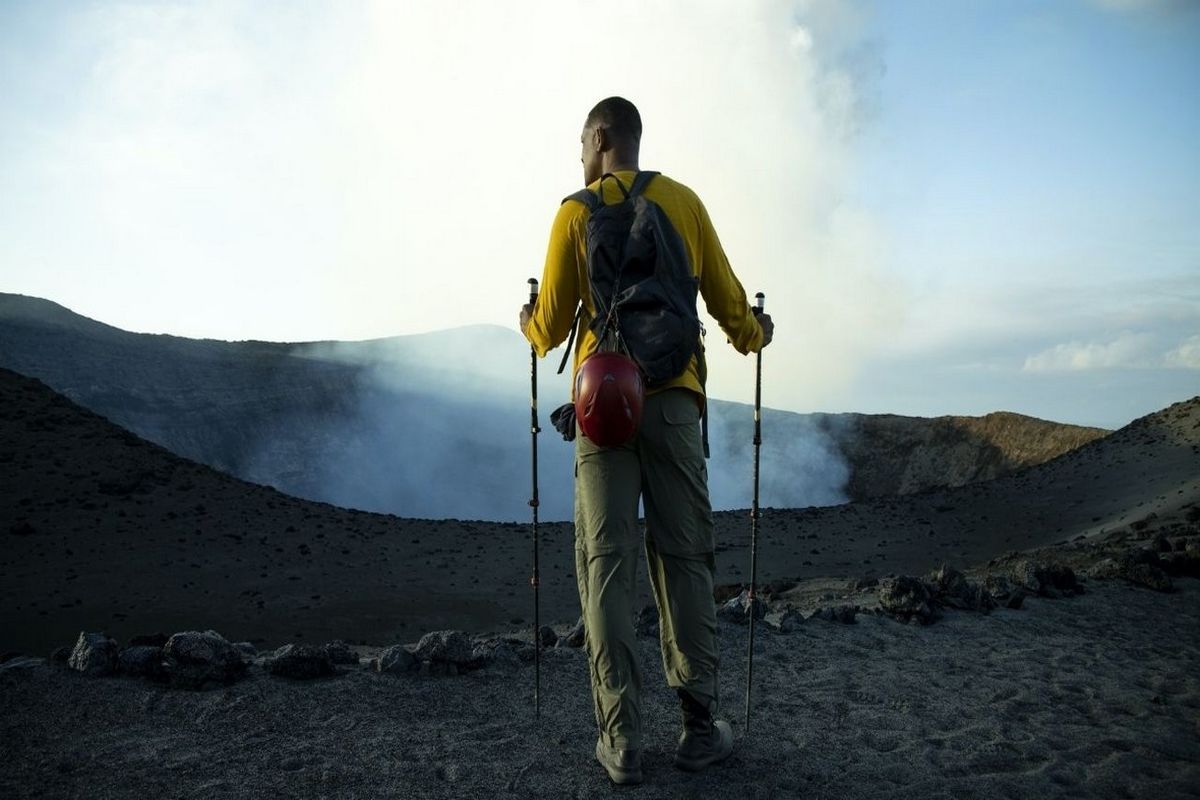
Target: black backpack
{"x": 642, "y": 286}
{"x": 642, "y": 282}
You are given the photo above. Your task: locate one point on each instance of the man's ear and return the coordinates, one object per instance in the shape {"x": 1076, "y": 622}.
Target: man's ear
{"x": 602, "y": 141}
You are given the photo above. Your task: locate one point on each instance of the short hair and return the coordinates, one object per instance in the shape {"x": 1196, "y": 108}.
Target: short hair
{"x": 620, "y": 116}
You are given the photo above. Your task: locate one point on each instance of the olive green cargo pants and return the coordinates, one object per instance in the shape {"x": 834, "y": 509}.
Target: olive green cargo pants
{"x": 664, "y": 465}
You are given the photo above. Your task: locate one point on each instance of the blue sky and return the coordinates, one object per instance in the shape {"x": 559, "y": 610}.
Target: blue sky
{"x": 953, "y": 207}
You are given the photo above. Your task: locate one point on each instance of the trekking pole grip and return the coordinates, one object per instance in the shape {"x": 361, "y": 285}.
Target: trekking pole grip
{"x": 758, "y": 303}
{"x": 533, "y": 290}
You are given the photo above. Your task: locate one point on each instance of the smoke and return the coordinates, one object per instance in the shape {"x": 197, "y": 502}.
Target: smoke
{"x": 437, "y": 426}
{"x": 366, "y": 169}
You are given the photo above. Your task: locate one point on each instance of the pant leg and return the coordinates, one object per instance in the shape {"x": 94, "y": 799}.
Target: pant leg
{"x": 680, "y": 541}
{"x": 607, "y": 547}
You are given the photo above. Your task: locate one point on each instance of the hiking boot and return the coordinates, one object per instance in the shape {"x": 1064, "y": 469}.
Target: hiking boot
{"x": 704, "y": 740}
{"x": 622, "y": 766}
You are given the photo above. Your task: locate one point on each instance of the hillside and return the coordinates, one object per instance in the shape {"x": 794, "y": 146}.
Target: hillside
{"x": 384, "y": 424}
{"x": 105, "y": 531}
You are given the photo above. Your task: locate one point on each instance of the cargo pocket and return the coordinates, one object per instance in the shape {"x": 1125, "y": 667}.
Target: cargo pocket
{"x": 681, "y": 427}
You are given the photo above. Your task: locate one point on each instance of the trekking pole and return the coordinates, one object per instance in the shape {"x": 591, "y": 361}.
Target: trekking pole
{"x": 534, "y": 581}
{"x": 758, "y": 309}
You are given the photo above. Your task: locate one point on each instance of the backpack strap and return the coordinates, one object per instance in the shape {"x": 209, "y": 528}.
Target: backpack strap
{"x": 587, "y": 197}
{"x": 571, "y": 340}
{"x": 639, "y": 182}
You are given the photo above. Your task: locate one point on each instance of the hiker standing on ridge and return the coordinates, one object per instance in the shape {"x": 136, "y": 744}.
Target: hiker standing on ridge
{"x": 663, "y": 463}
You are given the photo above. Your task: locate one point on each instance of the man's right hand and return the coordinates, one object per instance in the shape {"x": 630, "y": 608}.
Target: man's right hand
{"x": 768, "y": 328}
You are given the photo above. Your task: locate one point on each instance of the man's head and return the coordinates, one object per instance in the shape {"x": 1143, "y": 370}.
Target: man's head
{"x": 610, "y": 139}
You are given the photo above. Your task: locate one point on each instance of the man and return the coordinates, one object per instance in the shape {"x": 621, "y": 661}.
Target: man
{"x": 663, "y": 465}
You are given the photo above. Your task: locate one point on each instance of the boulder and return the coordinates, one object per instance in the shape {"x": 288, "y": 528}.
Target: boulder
{"x": 785, "y": 621}
{"x": 575, "y": 637}
{"x": 143, "y": 660}
{"x": 547, "y": 636}
{"x": 94, "y": 654}
{"x": 1003, "y": 591}
{"x": 397, "y": 659}
{"x": 300, "y": 661}
{"x": 498, "y": 653}
{"x": 952, "y": 589}
{"x": 739, "y": 609}
{"x": 340, "y": 653}
{"x": 1132, "y": 569}
{"x": 197, "y": 660}
{"x": 1045, "y": 580}
{"x": 445, "y": 647}
{"x": 907, "y": 599}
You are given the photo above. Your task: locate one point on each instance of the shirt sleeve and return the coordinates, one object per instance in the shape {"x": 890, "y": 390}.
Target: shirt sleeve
{"x": 723, "y": 294}
{"x": 558, "y": 293}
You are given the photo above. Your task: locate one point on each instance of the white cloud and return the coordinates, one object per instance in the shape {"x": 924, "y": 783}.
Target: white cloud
{"x": 1127, "y": 350}
{"x": 1185, "y": 356}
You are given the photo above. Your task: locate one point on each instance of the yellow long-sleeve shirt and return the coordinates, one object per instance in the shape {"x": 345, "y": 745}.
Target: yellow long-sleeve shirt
{"x": 565, "y": 280}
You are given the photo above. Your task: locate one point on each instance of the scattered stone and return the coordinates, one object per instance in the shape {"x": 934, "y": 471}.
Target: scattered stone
{"x": 248, "y": 650}
{"x": 498, "y": 653}
{"x": 1003, "y": 591}
{"x": 195, "y": 660}
{"x": 94, "y": 654}
{"x": 844, "y": 614}
{"x": 300, "y": 661}
{"x": 1134, "y": 567}
{"x": 142, "y": 661}
{"x": 60, "y": 656}
{"x": 738, "y": 609}
{"x": 576, "y": 636}
{"x": 340, "y": 653}
{"x": 445, "y": 647}
{"x": 785, "y": 621}
{"x": 1046, "y": 580}
{"x": 908, "y": 599}
{"x": 396, "y": 659}
{"x": 951, "y": 588}
{"x": 22, "y": 528}
{"x": 547, "y": 636}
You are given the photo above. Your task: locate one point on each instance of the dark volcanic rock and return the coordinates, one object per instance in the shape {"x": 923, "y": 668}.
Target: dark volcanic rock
{"x": 738, "y": 609}
{"x": 908, "y": 599}
{"x": 340, "y": 653}
{"x": 445, "y": 647}
{"x": 1137, "y": 565}
{"x": 94, "y": 654}
{"x": 1003, "y": 591}
{"x": 498, "y": 652}
{"x": 300, "y": 661}
{"x": 547, "y": 636}
{"x": 397, "y": 659}
{"x": 576, "y": 636}
{"x": 1046, "y": 580}
{"x": 952, "y": 589}
{"x": 195, "y": 660}
{"x": 141, "y": 660}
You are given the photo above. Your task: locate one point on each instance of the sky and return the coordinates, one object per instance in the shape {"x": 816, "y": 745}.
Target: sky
{"x": 952, "y": 207}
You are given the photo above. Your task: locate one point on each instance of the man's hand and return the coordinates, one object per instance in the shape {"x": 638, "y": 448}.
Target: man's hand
{"x": 526, "y": 315}
{"x": 768, "y": 327}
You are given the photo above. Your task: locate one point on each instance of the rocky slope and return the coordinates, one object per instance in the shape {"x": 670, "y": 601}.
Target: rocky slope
{"x": 105, "y": 531}
{"x": 399, "y": 425}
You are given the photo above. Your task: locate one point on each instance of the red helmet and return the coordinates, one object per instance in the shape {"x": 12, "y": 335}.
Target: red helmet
{"x": 608, "y": 398}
